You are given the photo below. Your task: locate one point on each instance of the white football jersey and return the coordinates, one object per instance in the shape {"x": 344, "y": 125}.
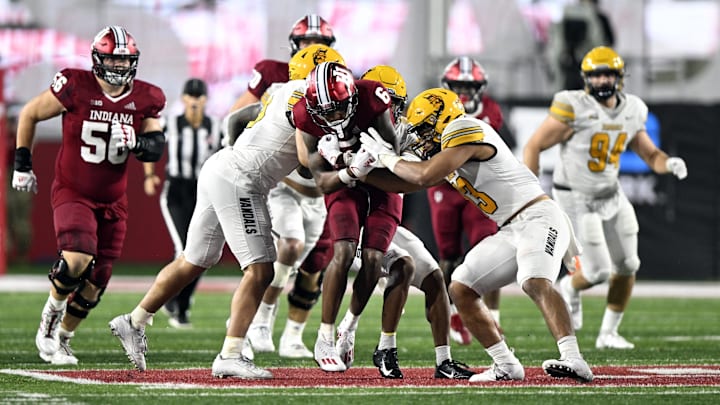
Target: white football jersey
{"x": 499, "y": 186}
{"x": 589, "y": 161}
{"x": 266, "y": 150}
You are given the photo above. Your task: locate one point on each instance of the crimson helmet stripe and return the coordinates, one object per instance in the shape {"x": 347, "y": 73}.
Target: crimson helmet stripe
{"x": 323, "y": 91}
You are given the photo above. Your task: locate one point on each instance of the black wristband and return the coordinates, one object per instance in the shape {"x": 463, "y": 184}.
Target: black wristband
{"x": 23, "y": 160}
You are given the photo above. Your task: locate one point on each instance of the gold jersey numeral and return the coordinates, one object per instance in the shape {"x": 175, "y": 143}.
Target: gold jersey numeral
{"x": 480, "y": 199}
{"x": 601, "y": 153}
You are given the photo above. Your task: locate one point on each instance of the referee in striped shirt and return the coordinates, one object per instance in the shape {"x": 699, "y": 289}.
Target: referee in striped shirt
{"x": 191, "y": 138}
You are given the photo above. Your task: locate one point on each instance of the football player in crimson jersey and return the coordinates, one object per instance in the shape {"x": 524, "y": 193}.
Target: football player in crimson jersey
{"x": 406, "y": 252}
{"x": 107, "y": 116}
{"x": 451, "y": 214}
{"x": 310, "y": 29}
{"x": 338, "y": 106}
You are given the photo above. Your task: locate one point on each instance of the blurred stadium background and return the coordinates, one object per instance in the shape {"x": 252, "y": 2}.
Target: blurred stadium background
{"x": 671, "y": 49}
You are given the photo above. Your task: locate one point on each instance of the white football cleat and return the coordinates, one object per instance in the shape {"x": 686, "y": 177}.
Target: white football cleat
{"x": 345, "y": 347}
{"x": 46, "y": 338}
{"x": 64, "y": 356}
{"x": 293, "y": 348}
{"x": 612, "y": 341}
{"x": 500, "y": 372}
{"x": 260, "y": 338}
{"x": 133, "y": 340}
{"x": 326, "y": 357}
{"x": 240, "y": 367}
{"x": 575, "y": 368}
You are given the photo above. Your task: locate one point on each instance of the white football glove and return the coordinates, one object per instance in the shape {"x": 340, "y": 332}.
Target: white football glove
{"x": 374, "y": 144}
{"x": 329, "y": 147}
{"x": 676, "y": 166}
{"x": 382, "y": 151}
{"x": 25, "y": 181}
{"x": 123, "y": 135}
{"x": 363, "y": 162}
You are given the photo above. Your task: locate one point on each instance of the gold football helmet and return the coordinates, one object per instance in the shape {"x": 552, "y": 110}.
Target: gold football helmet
{"x": 306, "y": 59}
{"x": 393, "y": 82}
{"x": 603, "y": 59}
{"x": 428, "y": 114}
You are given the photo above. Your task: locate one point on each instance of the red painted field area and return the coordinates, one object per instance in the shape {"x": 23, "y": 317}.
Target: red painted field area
{"x": 669, "y": 376}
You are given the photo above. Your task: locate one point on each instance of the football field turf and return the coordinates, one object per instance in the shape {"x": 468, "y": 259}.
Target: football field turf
{"x": 676, "y": 359}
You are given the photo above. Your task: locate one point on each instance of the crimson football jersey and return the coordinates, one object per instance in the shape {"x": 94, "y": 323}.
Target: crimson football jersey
{"x": 265, "y": 73}
{"x": 89, "y": 162}
{"x": 491, "y": 113}
{"x": 370, "y": 106}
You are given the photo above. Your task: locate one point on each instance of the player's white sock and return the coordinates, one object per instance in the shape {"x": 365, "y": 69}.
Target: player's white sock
{"x": 442, "y": 353}
{"x": 568, "y": 347}
{"x": 349, "y": 322}
{"x": 501, "y": 353}
{"x": 387, "y": 340}
{"x": 611, "y": 321}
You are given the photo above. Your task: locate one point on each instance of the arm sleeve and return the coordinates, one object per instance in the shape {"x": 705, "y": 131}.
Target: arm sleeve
{"x": 150, "y": 146}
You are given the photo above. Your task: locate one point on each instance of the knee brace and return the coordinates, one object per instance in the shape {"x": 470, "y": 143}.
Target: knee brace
{"x": 84, "y": 304}
{"x": 301, "y": 296}
{"x": 282, "y": 274}
{"x": 60, "y": 273}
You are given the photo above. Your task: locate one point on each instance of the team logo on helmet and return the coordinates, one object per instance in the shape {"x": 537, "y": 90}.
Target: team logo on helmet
{"x": 304, "y": 61}
{"x": 428, "y": 115}
{"x": 437, "y": 104}
{"x": 319, "y": 56}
